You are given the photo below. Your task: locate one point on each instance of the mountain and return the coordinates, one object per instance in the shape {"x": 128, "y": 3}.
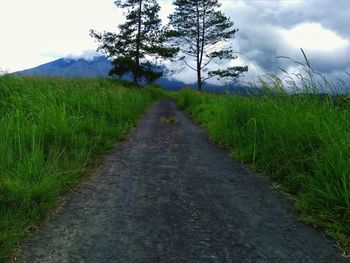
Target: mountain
{"x": 99, "y": 67}
{"x": 67, "y": 67}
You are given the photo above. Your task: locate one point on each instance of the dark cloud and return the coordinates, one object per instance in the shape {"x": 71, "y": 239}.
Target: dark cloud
{"x": 261, "y": 38}
{"x": 262, "y": 24}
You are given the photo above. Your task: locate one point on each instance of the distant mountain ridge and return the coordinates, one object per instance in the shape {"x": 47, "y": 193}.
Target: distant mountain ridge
{"x": 99, "y": 67}
{"x": 69, "y": 67}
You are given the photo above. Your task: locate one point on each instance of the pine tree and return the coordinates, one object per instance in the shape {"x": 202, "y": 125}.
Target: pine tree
{"x": 201, "y": 30}
{"x": 139, "y": 40}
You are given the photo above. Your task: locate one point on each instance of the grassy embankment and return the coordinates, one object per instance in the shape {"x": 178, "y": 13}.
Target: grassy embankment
{"x": 302, "y": 142}
{"x": 51, "y": 131}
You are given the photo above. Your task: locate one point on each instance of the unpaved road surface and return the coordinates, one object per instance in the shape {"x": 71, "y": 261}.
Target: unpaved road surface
{"x": 167, "y": 194}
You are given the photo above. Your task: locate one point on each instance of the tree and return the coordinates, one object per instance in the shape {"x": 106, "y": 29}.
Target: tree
{"x": 201, "y": 31}
{"x": 139, "y": 40}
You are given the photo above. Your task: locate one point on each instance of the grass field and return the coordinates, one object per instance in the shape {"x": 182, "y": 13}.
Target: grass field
{"x": 51, "y": 132}
{"x": 302, "y": 142}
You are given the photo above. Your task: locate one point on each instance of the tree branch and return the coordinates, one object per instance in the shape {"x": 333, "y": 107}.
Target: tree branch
{"x": 189, "y": 54}
{"x": 188, "y": 65}
{"x": 207, "y": 63}
{"x": 204, "y": 79}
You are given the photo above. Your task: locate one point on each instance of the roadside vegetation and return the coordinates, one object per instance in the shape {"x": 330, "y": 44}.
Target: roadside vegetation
{"x": 51, "y": 133}
{"x": 293, "y": 134}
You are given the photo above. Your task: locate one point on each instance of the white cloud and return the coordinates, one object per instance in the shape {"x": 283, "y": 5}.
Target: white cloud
{"x": 85, "y": 54}
{"x": 313, "y": 36}
{"x": 34, "y": 30}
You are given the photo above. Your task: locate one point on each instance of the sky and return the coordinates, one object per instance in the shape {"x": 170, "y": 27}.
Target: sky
{"x": 34, "y": 32}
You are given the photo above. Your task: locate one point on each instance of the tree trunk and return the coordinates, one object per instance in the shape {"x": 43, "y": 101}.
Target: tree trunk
{"x": 201, "y": 53}
{"x": 199, "y": 69}
{"x": 199, "y": 77}
{"x": 138, "y": 44}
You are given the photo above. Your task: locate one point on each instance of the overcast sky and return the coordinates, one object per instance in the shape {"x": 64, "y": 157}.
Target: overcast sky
{"x": 38, "y": 31}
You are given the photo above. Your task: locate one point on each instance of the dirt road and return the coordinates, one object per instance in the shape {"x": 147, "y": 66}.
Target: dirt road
{"x": 167, "y": 194}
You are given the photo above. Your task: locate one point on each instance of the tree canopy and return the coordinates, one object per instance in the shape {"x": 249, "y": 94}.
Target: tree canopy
{"x": 202, "y": 33}
{"x": 140, "y": 40}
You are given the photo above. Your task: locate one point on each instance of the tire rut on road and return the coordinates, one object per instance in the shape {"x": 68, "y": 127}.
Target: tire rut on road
{"x": 167, "y": 194}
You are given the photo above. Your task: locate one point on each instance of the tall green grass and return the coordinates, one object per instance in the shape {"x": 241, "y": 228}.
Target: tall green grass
{"x": 301, "y": 141}
{"x": 51, "y": 130}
